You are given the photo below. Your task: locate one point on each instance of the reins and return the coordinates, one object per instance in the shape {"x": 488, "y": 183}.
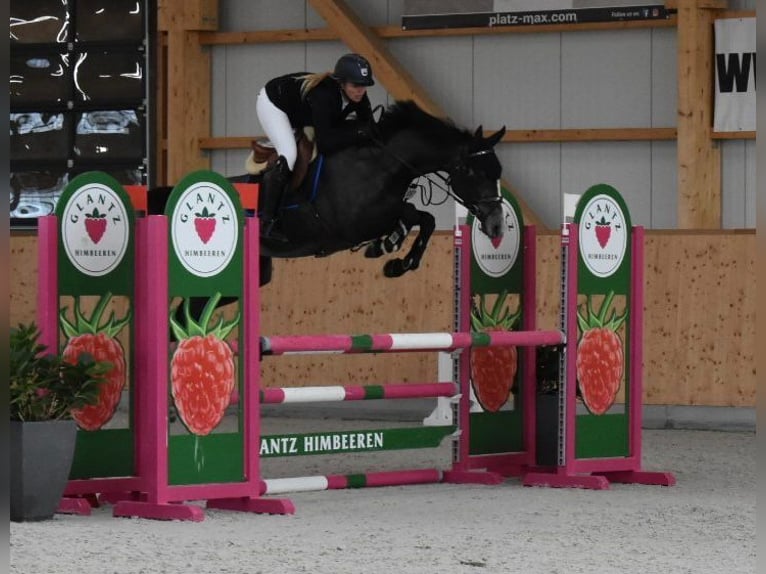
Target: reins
{"x": 447, "y": 181}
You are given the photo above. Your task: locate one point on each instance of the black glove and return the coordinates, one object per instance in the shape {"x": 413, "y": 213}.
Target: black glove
{"x": 366, "y": 131}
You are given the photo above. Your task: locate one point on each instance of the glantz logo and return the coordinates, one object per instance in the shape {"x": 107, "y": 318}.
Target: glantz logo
{"x": 204, "y": 229}
{"x": 94, "y": 229}
{"x": 496, "y": 257}
{"x": 603, "y": 237}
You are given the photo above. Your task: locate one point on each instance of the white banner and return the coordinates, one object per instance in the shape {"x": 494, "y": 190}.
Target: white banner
{"x": 734, "y": 75}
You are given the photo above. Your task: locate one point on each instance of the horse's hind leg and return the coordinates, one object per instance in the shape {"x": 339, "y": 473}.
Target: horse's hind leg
{"x": 411, "y": 261}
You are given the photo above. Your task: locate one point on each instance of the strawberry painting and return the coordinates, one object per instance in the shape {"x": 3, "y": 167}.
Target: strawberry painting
{"x": 493, "y": 369}
{"x": 88, "y": 335}
{"x": 95, "y": 225}
{"x": 600, "y": 356}
{"x": 204, "y": 224}
{"x": 603, "y": 231}
{"x": 202, "y": 369}
{"x": 496, "y": 241}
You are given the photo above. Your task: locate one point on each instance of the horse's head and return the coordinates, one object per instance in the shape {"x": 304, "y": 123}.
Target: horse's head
{"x": 474, "y": 178}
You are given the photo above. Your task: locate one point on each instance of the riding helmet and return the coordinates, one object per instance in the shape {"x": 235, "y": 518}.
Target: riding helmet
{"x": 355, "y": 69}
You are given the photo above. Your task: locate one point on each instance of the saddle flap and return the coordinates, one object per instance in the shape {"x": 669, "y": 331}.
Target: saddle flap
{"x": 263, "y": 151}
{"x": 263, "y": 154}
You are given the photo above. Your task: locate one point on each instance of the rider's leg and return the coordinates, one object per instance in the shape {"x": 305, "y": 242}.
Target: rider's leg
{"x": 275, "y": 180}
{"x": 276, "y": 125}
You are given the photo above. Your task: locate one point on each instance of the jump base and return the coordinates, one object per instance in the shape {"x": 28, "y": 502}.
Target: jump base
{"x": 472, "y": 477}
{"x": 158, "y": 511}
{"x": 255, "y": 505}
{"x": 555, "y": 480}
{"x": 76, "y": 505}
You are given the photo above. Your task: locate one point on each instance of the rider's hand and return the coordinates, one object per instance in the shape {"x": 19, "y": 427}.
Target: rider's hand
{"x": 366, "y": 131}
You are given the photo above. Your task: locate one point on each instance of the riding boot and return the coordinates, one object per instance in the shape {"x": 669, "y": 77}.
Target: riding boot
{"x": 273, "y": 186}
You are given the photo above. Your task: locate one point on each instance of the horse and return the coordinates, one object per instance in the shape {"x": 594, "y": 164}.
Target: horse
{"x": 357, "y": 196}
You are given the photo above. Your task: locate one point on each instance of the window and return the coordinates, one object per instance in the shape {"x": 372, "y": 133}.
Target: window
{"x": 78, "y": 97}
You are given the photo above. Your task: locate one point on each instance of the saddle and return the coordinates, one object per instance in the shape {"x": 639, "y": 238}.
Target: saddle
{"x": 263, "y": 155}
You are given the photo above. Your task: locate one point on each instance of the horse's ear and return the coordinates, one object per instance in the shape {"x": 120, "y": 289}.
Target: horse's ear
{"x": 479, "y": 133}
{"x": 496, "y": 137}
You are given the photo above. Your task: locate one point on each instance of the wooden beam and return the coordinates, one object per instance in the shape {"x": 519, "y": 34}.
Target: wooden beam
{"x": 703, "y": 4}
{"x": 514, "y": 136}
{"x": 187, "y": 14}
{"x": 360, "y": 38}
{"x": 743, "y": 135}
{"x": 699, "y": 155}
{"x": 388, "y": 32}
{"x": 396, "y": 79}
{"x": 188, "y": 105}
{"x": 594, "y": 135}
{"x": 734, "y": 14}
{"x": 187, "y": 110}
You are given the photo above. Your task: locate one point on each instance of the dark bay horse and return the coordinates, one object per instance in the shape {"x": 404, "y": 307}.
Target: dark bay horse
{"x": 357, "y": 195}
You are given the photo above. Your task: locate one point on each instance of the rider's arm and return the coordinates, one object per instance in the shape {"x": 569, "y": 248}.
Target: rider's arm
{"x": 332, "y": 132}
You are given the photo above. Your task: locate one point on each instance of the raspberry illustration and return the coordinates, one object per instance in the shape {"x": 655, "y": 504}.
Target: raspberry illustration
{"x": 87, "y": 335}
{"x": 204, "y": 224}
{"x": 493, "y": 369}
{"x": 95, "y": 225}
{"x": 202, "y": 369}
{"x": 600, "y": 356}
{"x": 603, "y": 231}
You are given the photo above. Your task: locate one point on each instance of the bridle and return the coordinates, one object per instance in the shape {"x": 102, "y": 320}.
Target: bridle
{"x": 459, "y": 166}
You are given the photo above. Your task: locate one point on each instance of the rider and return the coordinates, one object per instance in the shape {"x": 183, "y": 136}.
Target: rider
{"x": 334, "y": 103}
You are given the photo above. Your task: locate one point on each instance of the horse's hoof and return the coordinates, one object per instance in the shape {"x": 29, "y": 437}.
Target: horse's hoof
{"x": 373, "y": 250}
{"x": 394, "y": 268}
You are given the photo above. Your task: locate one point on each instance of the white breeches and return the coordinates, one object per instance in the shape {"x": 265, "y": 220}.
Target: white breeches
{"x": 277, "y": 127}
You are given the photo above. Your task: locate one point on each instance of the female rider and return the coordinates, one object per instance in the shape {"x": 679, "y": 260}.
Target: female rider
{"x": 334, "y": 103}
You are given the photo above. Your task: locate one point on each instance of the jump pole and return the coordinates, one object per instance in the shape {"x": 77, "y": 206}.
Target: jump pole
{"x": 466, "y": 471}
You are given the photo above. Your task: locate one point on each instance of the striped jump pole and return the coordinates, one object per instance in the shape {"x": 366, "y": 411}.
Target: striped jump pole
{"x": 342, "y": 481}
{"x": 337, "y": 393}
{"x": 405, "y": 342}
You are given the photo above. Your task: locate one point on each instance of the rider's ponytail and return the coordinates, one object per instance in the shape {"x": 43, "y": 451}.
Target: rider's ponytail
{"x": 310, "y": 81}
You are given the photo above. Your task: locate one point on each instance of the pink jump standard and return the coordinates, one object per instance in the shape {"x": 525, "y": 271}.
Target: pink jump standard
{"x": 168, "y": 469}
{"x": 602, "y": 264}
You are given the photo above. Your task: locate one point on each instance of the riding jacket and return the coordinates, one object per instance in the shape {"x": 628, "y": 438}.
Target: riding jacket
{"x": 337, "y": 121}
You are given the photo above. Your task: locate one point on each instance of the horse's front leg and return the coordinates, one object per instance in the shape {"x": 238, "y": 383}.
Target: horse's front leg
{"x": 390, "y": 243}
{"x": 426, "y": 223}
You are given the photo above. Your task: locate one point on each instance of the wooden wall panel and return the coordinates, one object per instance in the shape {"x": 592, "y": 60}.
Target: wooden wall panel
{"x": 23, "y": 279}
{"x": 700, "y": 319}
{"x": 699, "y": 322}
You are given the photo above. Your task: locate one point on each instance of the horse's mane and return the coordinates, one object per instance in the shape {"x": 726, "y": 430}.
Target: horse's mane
{"x": 406, "y": 114}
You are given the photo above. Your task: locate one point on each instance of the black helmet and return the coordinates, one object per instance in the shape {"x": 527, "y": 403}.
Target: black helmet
{"x": 355, "y": 69}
